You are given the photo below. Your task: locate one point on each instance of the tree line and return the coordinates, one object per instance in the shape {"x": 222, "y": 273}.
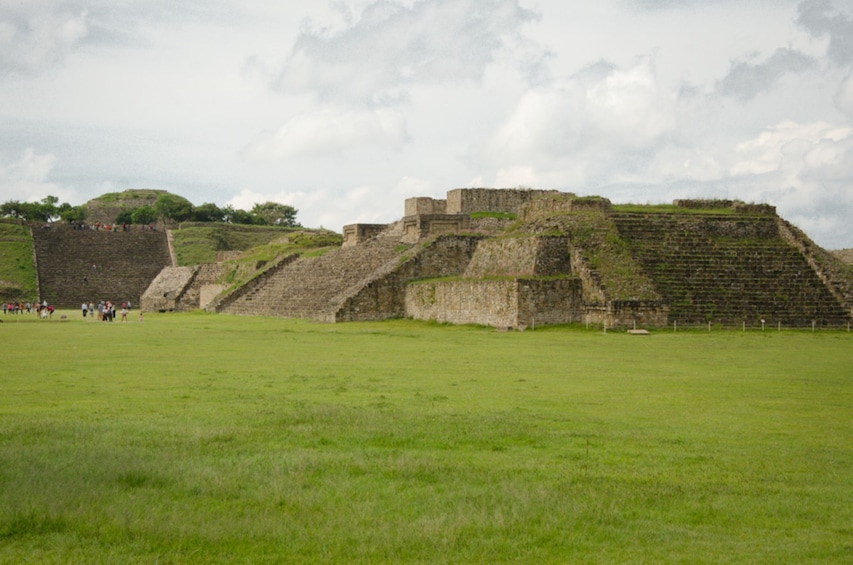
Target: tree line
{"x": 167, "y": 208}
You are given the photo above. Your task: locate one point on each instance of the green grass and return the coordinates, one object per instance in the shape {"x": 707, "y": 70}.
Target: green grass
{"x": 195, "y": 438}
{"x": 496, "y": 215}
{"x": 670, "y": 209}
{"x": 130, "y": 194}
{"x": 198, "y": 244}
{"x": 17, "y": 270}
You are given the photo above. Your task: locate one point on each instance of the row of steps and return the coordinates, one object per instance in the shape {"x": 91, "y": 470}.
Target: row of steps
{"x": 316, "y": 287}
{"x": 728, "y": 270}
{"x": 76, "y": 266}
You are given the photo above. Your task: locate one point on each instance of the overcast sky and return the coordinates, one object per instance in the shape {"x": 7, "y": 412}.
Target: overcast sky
{"x": 345, "y": 108}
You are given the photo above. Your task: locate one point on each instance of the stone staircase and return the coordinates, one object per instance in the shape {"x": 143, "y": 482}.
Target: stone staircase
{"x": 315, "y": 287}
{"x": 729, "y": 269}
{"x": 76, "y": 266}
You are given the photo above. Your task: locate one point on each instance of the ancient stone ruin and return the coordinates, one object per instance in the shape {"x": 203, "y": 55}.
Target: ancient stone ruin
{"x": 513, "y": 258}
{"x": 82, "y": 265}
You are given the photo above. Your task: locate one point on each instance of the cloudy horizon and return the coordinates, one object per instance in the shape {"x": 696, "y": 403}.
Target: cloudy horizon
{"x": 344, "y": 109}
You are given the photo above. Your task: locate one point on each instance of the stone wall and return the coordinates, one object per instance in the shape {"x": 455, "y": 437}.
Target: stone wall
{"x": 74, "y": 266}
{"x": 423, "y": 226}
{"x": 183, "y": 289}
{"x": 490, "y": 303}
{"x": 163, "y": 292}
{"x": 359, "y": 233}
{"x": 208, "y": 293}
{"x": 423, "y": 205}
{"x": 552, "y": 204}
{"x": 736, "y": 205}
{"x": 509, "y": 303}
{"x": 519, "y": 256}
{"x": 549, "y": 301}
{"x": 627, "y": 314}
{"x": 508, "y": 200}
{"x": 202, "y": 288}
{"x": 730, "y": 269}
{"x": 384, "y": 295}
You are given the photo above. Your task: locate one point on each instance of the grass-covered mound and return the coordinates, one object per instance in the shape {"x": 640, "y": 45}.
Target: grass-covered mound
{"x": 106, "y": 207}
{"x": 256, "y": 258}
{"x": 17, "y": 270}
{"x": 200, "y": 243}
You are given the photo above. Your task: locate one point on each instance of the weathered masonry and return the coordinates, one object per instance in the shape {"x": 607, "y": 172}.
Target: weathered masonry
{"x": 518, "y": 258}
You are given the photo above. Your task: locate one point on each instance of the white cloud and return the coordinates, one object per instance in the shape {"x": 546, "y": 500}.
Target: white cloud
{"x": 392, "y": 45}
{"x": 787, "y": 145}
{"x": 585, "y": 125}
{"x": 27, "y": 178}
{"x": 330, "y": 134}
{"x": 33, "y": 42}
{"x": 821, "y": 18}
{"x": 747, "y": 80}
{"x": 517, "y": 176}
{"x": 844, "y": 97}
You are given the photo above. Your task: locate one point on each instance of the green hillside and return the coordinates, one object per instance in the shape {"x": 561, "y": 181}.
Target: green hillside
{"x": 199, "y": 243}
{"x": 17, "y": 270}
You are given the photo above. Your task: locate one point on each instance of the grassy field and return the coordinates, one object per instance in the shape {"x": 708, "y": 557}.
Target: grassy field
{"x": 195, "y": 438}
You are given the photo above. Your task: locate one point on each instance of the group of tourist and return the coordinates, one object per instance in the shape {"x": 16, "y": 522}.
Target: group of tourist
{"x": 43, "y": 309}
{"x": 98, "y": 226}
{"x": 106, "y": 310}
{"x": 17, "y": 307}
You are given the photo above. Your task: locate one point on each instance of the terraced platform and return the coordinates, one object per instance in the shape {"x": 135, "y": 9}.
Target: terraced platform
{"x": 728, "y": 269}
{"x": 315, "y": 287}
{"x": 85, "y": 265}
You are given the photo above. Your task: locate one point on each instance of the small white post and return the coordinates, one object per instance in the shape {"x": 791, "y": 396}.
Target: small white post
{"x": 709, "y": 325}
{"x": 744, "y": 326}
{"x": 762, "y": 324}
{"x": 674, "y": 326}
{"x": 780, "y": 326}
{"x": 813, "y": 326}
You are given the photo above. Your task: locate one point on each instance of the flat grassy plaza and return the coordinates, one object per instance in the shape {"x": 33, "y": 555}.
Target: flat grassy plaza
{"x": 197, "y": 438}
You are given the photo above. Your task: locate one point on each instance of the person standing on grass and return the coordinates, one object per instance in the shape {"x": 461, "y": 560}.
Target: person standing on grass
{"x": 124, "y": 313}
{"x": 85, "y": 308}
{"x": 91, "y": 310}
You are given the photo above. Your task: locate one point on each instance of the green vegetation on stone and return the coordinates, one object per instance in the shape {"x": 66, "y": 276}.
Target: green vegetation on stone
{"x": 496, "y": 215}
{"x": 220, "y": 439}
{"x": 307, "y": 243}
{"x": 132, "y": 194}
{"x": 670, "y": 209}
{"x": 199, "y": 244}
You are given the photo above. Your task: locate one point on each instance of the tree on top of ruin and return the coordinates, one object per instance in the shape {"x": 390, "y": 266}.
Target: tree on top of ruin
{"x": 275, "y": 214}
{"x": 173, "y": 207}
